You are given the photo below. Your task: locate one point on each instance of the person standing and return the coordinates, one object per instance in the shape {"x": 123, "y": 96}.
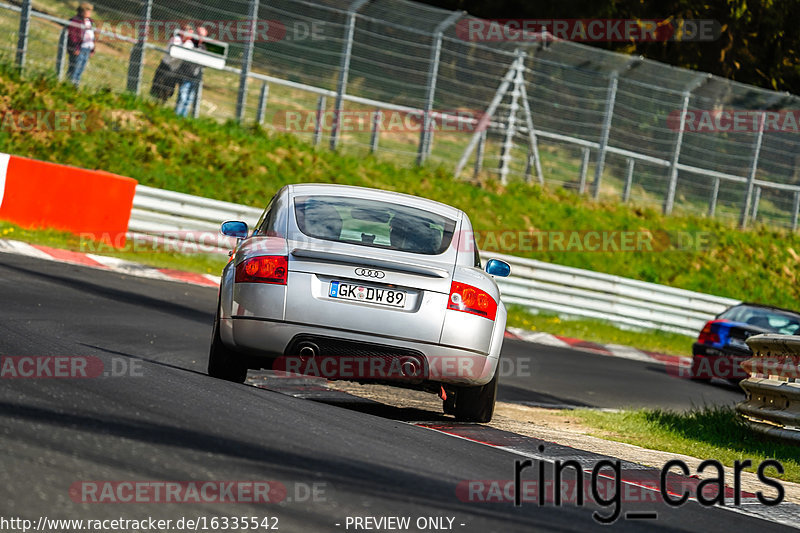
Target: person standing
{"x": 189, "y": 75}
{"x": 166, "y": 75}
{"x": 80, "y": 42}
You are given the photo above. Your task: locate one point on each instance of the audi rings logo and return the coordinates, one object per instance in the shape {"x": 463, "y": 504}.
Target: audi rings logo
{"x": 368, "y": 273}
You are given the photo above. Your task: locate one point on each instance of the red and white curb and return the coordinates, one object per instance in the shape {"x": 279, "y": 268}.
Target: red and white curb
{"x": 105, "y": 262}
{"x": 612, "y": 350}
{"x": 131, "y": 268}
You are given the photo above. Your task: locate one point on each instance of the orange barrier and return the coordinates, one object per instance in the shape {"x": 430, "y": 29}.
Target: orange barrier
{"x": 37, "y": 194}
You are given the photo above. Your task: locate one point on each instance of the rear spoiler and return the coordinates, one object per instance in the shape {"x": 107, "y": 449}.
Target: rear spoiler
{"x": 331, "y": 257}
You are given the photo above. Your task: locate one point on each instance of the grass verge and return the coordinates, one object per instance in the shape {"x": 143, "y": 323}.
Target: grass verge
{"x": 601, "y": 332}
{"x": 200, "y": 263}
{"x": 709, "y": 432}
{"x": 246, "y": 164}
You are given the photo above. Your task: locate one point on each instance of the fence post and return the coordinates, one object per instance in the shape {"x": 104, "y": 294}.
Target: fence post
{"x": 247, "y": 61}
{"x": 479, "y": 154}
{"x": 344, "y": 69}
{"x": 61, "y": 53}
{"x": 584, "y": 170}
{"x": 626, "y": 193}
{"x": 753, "y": 168}
{"x": 601, "y": 155}
{"x": 375, "y": 134}
{"x": 136, "y": 59}
{"x": 676, "y": 155}
{"x": 712, "y": 204}
{"x": 262, "y": 103}
{"x": 320, "y": 119}
{"x": 796, "y": 210}
{"x": 511, "y": 126}
{"x": 756, "y": 200}
{"x": 430, "y": 91}
{"x": 22, "y": 35}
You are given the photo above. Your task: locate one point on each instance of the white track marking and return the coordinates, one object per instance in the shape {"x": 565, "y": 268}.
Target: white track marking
{"x": 4, "y": 159}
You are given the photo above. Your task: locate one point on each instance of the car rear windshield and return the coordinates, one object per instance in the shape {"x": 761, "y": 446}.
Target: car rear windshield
{"x": 773, "y": 320}
{"x": 373, "y": 223}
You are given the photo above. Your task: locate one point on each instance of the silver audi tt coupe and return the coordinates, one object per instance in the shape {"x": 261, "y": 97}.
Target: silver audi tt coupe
{"x": 364, "y": 285}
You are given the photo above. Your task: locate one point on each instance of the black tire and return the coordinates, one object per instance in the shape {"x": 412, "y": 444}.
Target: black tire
{"x": 476, "y": 404}
{"x": 224, "y": 363}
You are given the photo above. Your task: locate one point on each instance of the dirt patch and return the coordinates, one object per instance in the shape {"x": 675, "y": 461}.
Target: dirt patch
{"x": 557, "y": 427}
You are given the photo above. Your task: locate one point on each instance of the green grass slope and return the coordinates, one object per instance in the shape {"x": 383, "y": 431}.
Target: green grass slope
{"x": 246, "y": 164}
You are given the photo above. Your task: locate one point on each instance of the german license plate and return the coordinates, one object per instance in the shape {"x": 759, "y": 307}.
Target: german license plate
{"x": 372, "y": 295}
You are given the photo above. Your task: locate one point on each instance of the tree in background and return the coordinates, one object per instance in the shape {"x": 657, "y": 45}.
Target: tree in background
{"x": 759, "y": 42}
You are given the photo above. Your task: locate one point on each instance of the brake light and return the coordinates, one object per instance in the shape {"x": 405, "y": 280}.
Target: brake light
{"x": 709, "y": 333}
{"x": 472, "y": 300}
{"x": 263, "y": 269}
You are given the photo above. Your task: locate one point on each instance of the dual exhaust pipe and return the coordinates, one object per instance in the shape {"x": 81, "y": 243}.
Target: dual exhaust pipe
{"x": 409, "y": 368}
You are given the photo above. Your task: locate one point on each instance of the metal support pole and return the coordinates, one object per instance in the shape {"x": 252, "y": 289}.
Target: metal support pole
{"x": 511, "y": 126}
{"x": 198, "y": 98}
{"x": 712, "y": 204}
{"x": 262, "y": 103}
{"x": 321, "y": 102}
{"x": 375, "y": 134}
{"x": 533, "y": 143}
{"x": 22, "y": 35}
{"x": 626, "y": 193}
{"x": 136, "y": 60}
{"x": 247, "y": 61}
{"x": 601, "y": 155}
{"x": 753, "y": 168}
{"x": 529, "y": 162}
{"x": 584, "y": 171}
{"x": 344, "y": 69}
{"x": 483, "y": 123}
{"x": 479, "y": 154}
{"x": 425, "y": 139}
{"x": 756, "y": 200}
{"x": 676, "y": 154}
{"x": 796, "y": 210}
{"x": 61, "y": 53}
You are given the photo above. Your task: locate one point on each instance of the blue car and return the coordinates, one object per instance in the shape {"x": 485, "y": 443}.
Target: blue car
{"x": 721, "y": 348}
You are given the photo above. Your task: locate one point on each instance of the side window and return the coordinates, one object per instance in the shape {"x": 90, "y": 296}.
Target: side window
{"x": 264, "y": 216}
{"x": 477, "y": 253}
{"x": 273, "y": 223}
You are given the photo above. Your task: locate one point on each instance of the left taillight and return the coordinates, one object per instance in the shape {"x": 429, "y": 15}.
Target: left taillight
{"x": 472, "y": 300}
{"x": 263, "y": 269}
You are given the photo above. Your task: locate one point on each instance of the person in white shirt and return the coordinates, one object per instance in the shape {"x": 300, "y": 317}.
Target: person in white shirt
{"x": 80, "y": 42}
{"x": 190, "y": 75}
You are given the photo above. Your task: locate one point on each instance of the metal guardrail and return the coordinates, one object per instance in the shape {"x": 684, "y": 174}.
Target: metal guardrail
{"x": 773, "y": 388}
{"x": 542, "y": 286}
{"x": 536, "y": 285}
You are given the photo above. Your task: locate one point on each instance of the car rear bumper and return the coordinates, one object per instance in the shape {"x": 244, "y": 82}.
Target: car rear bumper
{"x": 709, "y": 362}
{"x": 276, "y": 339}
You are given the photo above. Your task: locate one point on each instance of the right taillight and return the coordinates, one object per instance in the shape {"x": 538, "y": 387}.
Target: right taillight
{"x": 709, "y": 334}
{"x": 263, "y": 269}
{"x": 472, "y": 300}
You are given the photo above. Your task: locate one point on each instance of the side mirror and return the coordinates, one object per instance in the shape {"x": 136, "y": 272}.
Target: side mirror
{"x": 234, "y": 228}
{"x": 495, "y": 267}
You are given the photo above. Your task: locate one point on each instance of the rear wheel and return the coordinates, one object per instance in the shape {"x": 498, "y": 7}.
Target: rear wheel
{"x": 475, "y": 404}
{"x": 224, "y": 363}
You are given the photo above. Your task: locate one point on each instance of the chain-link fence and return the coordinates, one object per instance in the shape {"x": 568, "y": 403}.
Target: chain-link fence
{"x": 410, "y": 81}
